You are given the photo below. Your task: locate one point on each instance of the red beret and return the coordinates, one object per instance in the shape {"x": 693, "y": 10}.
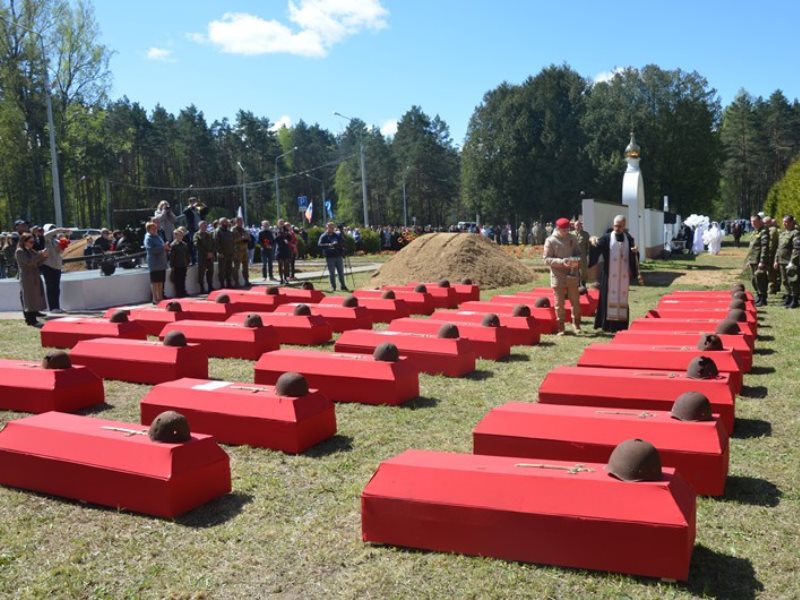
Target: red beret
{"x": 562, "y": 223}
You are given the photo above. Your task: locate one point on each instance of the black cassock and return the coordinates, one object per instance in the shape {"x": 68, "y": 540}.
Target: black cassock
{"x": 602, "y": 249}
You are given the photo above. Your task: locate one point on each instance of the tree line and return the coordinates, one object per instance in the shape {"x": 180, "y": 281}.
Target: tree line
{"x": 532, "y": 150}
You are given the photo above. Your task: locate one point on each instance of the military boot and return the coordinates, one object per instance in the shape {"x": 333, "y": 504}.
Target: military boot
{"x": 795, "y": 302}
{"x": 759, "y": 300}
{"x": 787, "y": 300}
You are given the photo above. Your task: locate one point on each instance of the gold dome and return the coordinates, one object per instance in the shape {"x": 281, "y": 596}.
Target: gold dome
{"x": 632, "y": 151}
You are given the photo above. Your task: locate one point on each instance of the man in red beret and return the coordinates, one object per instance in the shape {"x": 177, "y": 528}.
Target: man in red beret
{"x": 562, "y": 255}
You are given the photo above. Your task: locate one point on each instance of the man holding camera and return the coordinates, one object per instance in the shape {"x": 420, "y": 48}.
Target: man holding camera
{"x": 332, "y": 245}
{"x": 562, "y": 255}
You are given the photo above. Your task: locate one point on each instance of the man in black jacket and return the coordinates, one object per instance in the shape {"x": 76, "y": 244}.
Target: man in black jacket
{"x": 332, "y": 245}
{"x": 266, "y": 239}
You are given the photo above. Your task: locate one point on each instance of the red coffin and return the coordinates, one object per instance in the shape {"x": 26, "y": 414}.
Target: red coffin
{"x": 669, "y": 302}
{"x": 698, "y": 325}
{"x": 736, "y": 343}
{"x": 709, "y": 294}
{"x": 443, "y": 297}
{"x": 68, "y": 331}
{"x": 380, "y": 310}
{"x": 522, "y": 331}
{"x": 544, "y": 318}
{"x": 697, "y": 450}
{"x": 659, "y": 358}
{"x": 588, "y": 304}
{"x": 227, "y": 340}
{"x": 153, "y": 319}
{"x": 107, "y": 463}
{"x": 203, "y": 310}
{"x": 466, "y": 292}
{"x": 419, "y": 303}
{"x": 140, "y": 361}
{"x": 431, "y": 354}
{"x": 344, "y": 377}
{"x": 27, "y": 387}
{"x": 699, "y": 313}
{"x": 293, "y": 329}
{"x": 491, "y": 343}
{"x": 289, "y": 294}
{"x": 508, "y": 508}
{"x": 246, "y": 414}
{"x": 340, "y": 318}
{"x": 255, "y": 300}
{"x": 636, "y": 389}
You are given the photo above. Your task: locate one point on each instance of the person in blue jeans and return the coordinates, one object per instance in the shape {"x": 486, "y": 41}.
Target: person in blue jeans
{"x": 332, "y": 245}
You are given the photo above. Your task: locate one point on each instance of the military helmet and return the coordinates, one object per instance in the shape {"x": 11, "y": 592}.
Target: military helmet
{"x": 737, "y": 287}
{"x": 307, "y": 285}
{"x": 466, "y": 281}
{"x": 727, "y": 327}
{"x": 421, "y": 288}
{"x": 271, "y": 290}
{"x": 691, "y": 406}
{"x": 170, "y": 427}
{"x": 386, "y": 352}
{"x": 490, "y": 320}
{"x": 702, "y": 367}
{"x": 739, "y": 295}
{"x": 444, "y": 283}
{"x": 223, "y": 299}
{"x": 737, "y": 303}
{"x": 56, "y": 359}
{"x": 710, "y": 341}
{"x": 350, "y": 301}
{"x": 388, "y": 295}
{"x": 635, "y": 460}
{"x": 119, "y": 316}
{"x": 291, "y": 384}
{"x": 521, "y": 310}
{"x": 542, "y": 302}
{"x": 175, "y": 338}
{"x": 174, "y": 306}
{"x": 582, "y": 290}
{"x": 302, "y": 310}
{"x": 253, "y": 320}
{"x": 737, "y": 314}
{"x": 448, "y": 331}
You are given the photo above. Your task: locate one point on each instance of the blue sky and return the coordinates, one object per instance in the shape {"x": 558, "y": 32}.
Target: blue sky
{"x": 374, "y": 59}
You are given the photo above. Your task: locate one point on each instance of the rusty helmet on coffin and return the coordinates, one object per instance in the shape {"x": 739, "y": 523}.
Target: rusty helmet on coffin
{"x": 737, "y": 304}
{"x": 728, "y": 327}
{"x": 291, "y": 384}
{"x": 271, "y": 290}
{"x": 170, "y": 427}
{"x": 737, "y": 314}
{"x": 421, "y": 288}
{"x": 466, "y": 281}
{"x": 223, "y": 299}
{"x": 253, "y": 320}
{"x": 307, "y": 285}
{"x": 350, "y": 301}
{"x": 739, "y": 295}
{"x": 710, "y": 341}
{"x": 521, "y": 310}
{"x": 490, "y": 320}
{"x": 448, "y": 331}
{"x": 174, "y": 306}
{"x": 119, "y": 316}
{"x": 175, "y": 338}
{"x": 737, "y": 287}
{"x": 702, "y": 367}
{"x": 444, "y": 283}
{"x": 386, "y": 352}
{"x": 542, "y": 302}
{"x": 57, "y": 359}
{"x": 582, "y": 290}
{"x": 691, "y": 406}
{"x": 635, "y": 460}
{"x": 302, "y": 310}
{"x": 388, "y": 295}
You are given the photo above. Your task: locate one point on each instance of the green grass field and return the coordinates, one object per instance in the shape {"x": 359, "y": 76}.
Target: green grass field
{"x": 291, "y": 526}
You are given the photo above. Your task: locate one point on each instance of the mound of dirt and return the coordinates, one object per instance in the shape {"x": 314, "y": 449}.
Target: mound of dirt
{"x": 453, "y": 256}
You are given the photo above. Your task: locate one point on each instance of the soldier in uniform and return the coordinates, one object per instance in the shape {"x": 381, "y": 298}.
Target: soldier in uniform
{"x": 773, "y": 274}
{"x": 223, "y": 245}
{"x": 787, "y": 261}
{"x": 204, "y": 247}
{"x": 561, "y": 254}
{"x": 241, "y": 240}
{"x": 583, "y": 245}
{"x": 757, "y": 257}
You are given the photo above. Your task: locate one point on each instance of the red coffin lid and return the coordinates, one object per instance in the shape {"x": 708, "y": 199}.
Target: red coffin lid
{"x": 83, "y": 440}
{"x": 93, "y": 326}
{"x": 217, "y": 310}
{"x": 328, "y": 310}
{"x": 153, "y": 313}
{"x": 416, "y": 342}
{"x": 196, "y": 330}
{"x": 332, "y": 363}
{"x": 141, "y": 350}
{"x": 695, "y": 313}
{"x": 700, "y": 325}
{"x": 678, "y": 338}
{"x": 283, "y": 320}
{"x": 653, "y": 356}
{"x": 34, "y": 376}
{"x": 474, "y": 316}
{"x": 604, "y": 426}
{"x": 301, "y": 295}
{"x": 503, "y": 483}
{"x": 465, "y": 330}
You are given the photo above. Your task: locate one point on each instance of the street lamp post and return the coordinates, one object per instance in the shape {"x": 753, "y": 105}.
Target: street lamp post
{"x": 405, "y": 203}
{"x": 363, "y": 168}
{"x": 277, "y": 185}
{"x": 321, "y": 199}
{"x": 244, "y": 193}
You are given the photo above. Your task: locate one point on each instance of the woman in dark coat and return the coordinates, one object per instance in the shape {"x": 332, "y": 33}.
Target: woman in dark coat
{"x": 620, "y": 267}
{"x": 30, "y": 282}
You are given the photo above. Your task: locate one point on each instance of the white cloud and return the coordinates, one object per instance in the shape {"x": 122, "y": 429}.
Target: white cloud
{"x": 606, "y": 76}
{"x": 160, "y": 54}
{"x": 319, "y": 25}
{"x": 283, "y": 121}
{"x": 389, "y": 127}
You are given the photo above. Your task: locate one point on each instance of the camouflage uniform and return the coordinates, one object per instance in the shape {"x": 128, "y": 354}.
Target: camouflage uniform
{"x": 583, "y": 246}
{"x": 757, "y": 257}
{"x": 204, "y": 246}
{"x": 241, "y": 238}
{"x": 223, "y": 244}
{"x": 773, "y": 274}
{"x": 558, "y": 255}
{"x": 787, "y": 256}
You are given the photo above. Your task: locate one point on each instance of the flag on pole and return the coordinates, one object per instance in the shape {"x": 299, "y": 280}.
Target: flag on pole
{"x": 239, "y": 213}
{"x": 310, "y": 212}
